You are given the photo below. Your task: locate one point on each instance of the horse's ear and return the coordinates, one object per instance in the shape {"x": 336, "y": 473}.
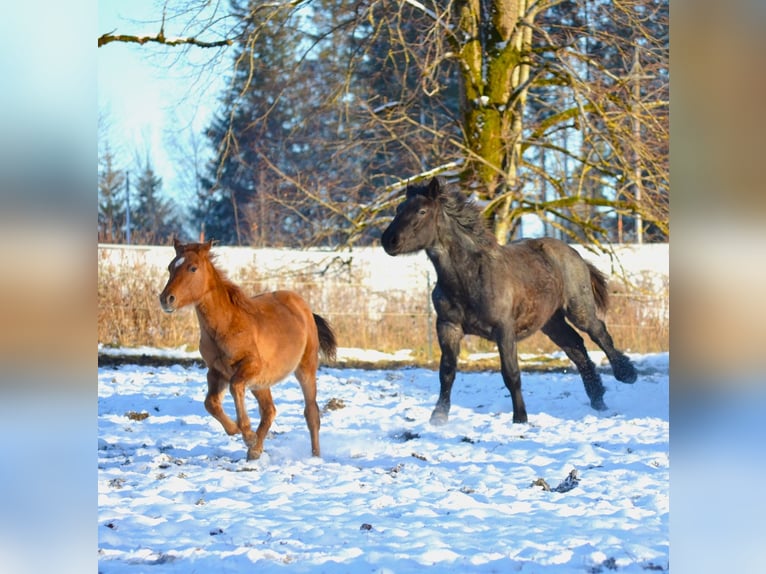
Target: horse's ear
{"x": 434, "y": 188}
{"x": 205, "y": 248}
{"x": 178, "y": 246}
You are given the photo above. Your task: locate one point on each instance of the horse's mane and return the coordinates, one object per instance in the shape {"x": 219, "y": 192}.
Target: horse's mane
{"x": 234, "y": 292}
{"x": 468, "y": 218}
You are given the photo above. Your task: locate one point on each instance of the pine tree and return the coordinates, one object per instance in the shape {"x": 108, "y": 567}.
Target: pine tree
{"x": 154, "y": 218}
{"x": 256, "y": 114}
{"x": 111, "y": 200}
{"x": 305, "y": 136}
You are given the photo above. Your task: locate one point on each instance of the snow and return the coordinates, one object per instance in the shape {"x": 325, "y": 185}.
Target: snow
{"x": 391, "y": 493}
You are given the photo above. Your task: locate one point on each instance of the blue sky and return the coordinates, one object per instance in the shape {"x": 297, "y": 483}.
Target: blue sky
{"x": 152, "y": 97}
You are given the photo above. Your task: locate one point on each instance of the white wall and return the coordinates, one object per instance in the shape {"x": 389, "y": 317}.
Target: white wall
{"x": 381, "y": 271}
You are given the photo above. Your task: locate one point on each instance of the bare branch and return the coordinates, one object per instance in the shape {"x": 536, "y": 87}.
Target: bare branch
{"x": 160, "y": 38}
{"x": 423, "y": 175}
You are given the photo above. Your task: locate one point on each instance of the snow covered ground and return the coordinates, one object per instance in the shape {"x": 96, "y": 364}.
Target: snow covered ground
{"x": 391, "y": 493}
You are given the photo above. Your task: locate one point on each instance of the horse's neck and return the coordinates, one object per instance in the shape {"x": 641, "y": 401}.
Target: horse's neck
{"x": 457, "y": 263}
{"x": 216, "y": 308}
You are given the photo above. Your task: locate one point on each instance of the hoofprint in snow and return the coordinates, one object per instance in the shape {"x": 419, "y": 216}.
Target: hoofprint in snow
{"x": 391, "y": 493}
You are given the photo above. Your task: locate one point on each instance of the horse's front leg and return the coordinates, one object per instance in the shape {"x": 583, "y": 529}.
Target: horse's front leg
{"x": 237, "y": 388}
{"x": 216, "y": 386}
{"x": 268, "y": 412}
{"x": 449, "y": 335}
{"x": 509, "y": 367}
{"x": 246, "y": 373}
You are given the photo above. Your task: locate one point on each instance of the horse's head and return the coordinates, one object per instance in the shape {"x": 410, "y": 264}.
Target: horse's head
{"x": 188, "y": 275}
{"x": 414, "y": 225}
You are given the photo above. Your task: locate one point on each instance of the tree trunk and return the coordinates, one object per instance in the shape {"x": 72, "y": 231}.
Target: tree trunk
{"x": 493, "y": 80}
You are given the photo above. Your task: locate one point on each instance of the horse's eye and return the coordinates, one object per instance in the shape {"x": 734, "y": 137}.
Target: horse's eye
{"x": 192, "y": 268}
{"x": 422, "y": 211}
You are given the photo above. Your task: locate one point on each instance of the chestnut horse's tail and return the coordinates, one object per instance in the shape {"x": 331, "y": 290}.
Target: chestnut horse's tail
{"x": 600, "y": 291}
{"x": 328, "y": 344}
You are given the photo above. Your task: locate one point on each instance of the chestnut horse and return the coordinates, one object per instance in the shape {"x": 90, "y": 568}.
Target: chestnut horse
{"x": 502, "y": 293}
{"x": 248, "y": 343}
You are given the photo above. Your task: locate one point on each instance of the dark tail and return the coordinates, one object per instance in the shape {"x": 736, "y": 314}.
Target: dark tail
{"x": 328, "y": 344}
{"x": 600, "y": 291}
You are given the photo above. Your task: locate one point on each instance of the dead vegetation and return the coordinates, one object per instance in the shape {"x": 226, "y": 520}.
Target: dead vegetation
{"x": 129, "y": 315}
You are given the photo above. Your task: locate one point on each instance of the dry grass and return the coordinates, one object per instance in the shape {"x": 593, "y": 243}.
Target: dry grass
{"x": 129, "y": 315}
{"x": 637, "y": 319}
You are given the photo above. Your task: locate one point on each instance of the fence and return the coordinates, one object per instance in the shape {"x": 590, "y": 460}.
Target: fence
{"x": 373, "y": 300}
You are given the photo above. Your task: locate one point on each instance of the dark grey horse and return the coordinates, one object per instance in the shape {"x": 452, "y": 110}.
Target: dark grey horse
{"x": 502, "y": 293}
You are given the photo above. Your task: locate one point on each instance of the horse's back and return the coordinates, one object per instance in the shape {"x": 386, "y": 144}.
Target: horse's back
{"x": 548, "y": 246}
{"x": 286, "y": 313}
{"x": 559, "y": 253}
{"x": 540, "y": 260}
{"x": 580, "y": 279}
{"x": 280, "y": 302}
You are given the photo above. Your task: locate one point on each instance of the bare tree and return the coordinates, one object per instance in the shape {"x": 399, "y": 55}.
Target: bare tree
{"x": 511, "y": 97}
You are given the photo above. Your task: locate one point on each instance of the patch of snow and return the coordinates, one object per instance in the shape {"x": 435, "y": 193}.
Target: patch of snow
{"x": 391, "y": 493}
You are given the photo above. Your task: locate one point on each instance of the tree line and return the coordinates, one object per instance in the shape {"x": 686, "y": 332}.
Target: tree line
{"x": 132, "y": 207}
{"x": 553, "y": 112}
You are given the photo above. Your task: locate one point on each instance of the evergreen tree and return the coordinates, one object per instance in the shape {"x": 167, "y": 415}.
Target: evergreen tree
{"x": 154, "y": 220}
{"x": 305, "y": 134}
{"x": 256, "y": 115}
{"x": 111, "y": 199}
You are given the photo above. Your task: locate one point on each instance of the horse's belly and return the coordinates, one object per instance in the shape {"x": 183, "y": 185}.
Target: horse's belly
{"x": 479, "y": 328}
{"x": 529, "y": 322}
{"x": 524, "y": 331}
{"x": 523, "y": 325}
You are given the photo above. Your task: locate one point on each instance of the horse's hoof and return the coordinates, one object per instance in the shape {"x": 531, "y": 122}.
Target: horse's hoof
{"x": 625, "y": 372}
{"x": 439, "y": 418}
{"x": 254, "y": 454}
{"x": 628, "y": 378}
{"x": 521, "y": 419}
{"x": 598, "y": 405}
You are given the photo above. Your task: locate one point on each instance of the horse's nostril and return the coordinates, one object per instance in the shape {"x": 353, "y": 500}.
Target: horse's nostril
{"x": 390, "y": 243}
{"x": 171, "y": 299}
{"x": 387, "y": 240}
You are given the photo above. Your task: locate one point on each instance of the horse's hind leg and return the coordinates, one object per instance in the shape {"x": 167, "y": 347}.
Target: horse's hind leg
{"x": 306, "y": 373}
{"x": 561, "y": 333}
{"x": 583, "y": 316}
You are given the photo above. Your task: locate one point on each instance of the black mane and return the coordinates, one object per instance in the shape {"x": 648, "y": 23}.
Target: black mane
{"x": 468, "y": 217}
{"x": 463, "y": 212}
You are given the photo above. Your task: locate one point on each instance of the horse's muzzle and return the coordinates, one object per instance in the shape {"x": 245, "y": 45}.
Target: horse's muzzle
{"x": 389, "y": 242}
{"x": 167, "y": 302}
